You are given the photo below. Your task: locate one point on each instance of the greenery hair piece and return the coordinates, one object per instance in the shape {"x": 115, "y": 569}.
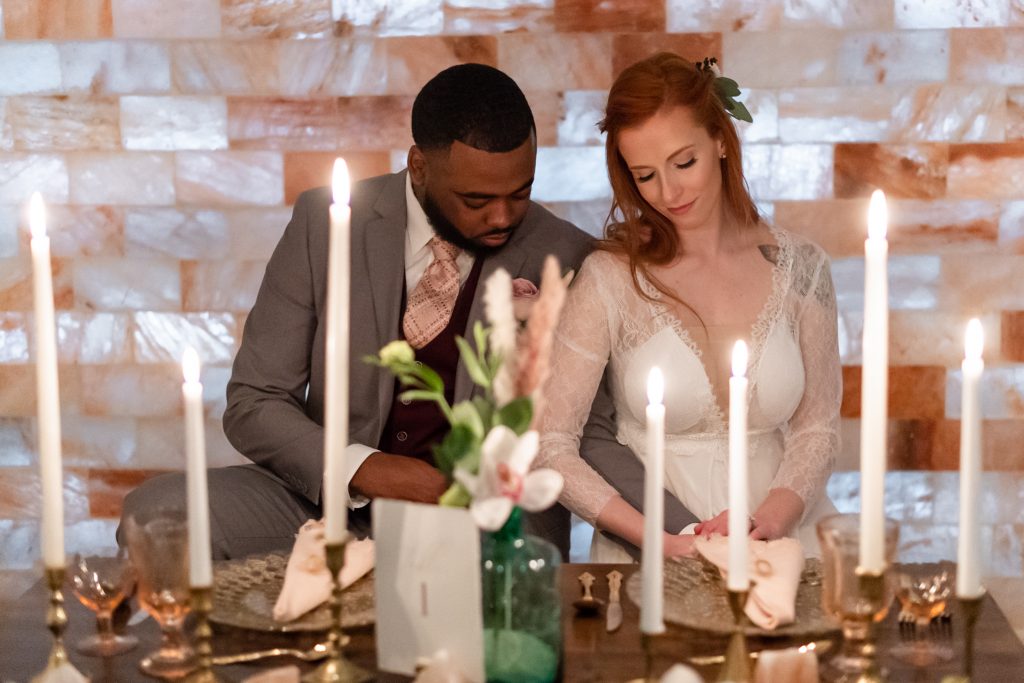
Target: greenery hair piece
{"x": 726, "y": 89}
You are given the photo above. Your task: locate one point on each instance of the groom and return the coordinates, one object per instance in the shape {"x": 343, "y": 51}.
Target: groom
{"x": 424, "y": 241}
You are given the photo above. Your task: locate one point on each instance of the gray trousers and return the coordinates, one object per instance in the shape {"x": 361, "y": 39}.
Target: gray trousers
{"x": 253, "y": 512}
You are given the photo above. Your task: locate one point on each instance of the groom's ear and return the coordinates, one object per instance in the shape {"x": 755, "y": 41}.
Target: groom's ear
{"x": 417, "y": 165}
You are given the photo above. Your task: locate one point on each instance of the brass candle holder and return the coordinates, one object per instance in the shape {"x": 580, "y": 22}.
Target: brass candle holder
{"x": 647, "y": 641}
{"x": 201, "y": 604}
{"x": 970, "y": 609}
{"x": 336, "y": 669}
{"x": 736, "y": 667}
{"x": 57, "y": 620}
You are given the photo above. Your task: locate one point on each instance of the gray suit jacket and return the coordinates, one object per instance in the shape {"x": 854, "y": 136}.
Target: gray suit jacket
{"x": 275, "y": 398}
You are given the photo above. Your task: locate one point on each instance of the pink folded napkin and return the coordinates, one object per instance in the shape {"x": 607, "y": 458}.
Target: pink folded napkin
{"x": 307, "y": 582}
{"x": 775, "y": 568}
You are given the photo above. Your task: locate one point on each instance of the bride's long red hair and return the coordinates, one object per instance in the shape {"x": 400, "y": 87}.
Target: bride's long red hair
{"x": 634, "y": 228}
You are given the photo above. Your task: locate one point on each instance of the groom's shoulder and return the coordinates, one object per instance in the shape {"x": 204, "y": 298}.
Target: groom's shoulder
{"x": 542, "y": 230}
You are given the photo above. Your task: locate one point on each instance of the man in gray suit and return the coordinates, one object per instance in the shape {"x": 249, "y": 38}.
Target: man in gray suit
{"x": 467, "y": 187}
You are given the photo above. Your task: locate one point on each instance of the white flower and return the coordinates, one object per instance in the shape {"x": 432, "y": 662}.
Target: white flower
{"x": 397, "y": 352}
{"x": 505, "y": 479}
{"x": 498, "y": 310}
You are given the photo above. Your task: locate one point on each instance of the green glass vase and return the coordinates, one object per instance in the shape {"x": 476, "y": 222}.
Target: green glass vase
{"x": 522, "y": 605}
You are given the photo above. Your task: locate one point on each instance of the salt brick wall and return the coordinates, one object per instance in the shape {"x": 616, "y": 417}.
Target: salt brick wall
{"x": 169, "y": 139}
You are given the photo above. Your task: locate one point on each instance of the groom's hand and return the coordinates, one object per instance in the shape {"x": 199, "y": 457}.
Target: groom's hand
{"x": 386, "y": 475}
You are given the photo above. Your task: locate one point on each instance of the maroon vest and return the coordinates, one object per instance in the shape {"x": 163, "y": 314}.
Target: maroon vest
{"x": 413, "y": 428}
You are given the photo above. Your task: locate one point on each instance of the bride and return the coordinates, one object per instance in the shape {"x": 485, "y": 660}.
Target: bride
{"x": 687, "y": 267}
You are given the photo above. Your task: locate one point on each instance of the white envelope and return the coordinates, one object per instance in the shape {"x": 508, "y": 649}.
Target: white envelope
{"x": 427, "y": 586}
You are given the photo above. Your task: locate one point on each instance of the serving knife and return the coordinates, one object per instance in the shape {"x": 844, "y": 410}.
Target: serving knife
{"x": 614, "y": 615}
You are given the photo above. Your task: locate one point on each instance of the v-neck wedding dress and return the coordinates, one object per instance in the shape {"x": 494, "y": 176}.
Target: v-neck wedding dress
{"x": 793, "y": 400}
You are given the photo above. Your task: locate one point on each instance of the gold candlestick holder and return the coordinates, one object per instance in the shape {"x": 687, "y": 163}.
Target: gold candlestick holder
{"x": 736, "y": 667}
{"x": 647, "y": 641}
{"x": 970, "y": 609}
{"x": 56, "y": 620}
{"x": 336, "y": 669}
{"x": 201, "y": 604}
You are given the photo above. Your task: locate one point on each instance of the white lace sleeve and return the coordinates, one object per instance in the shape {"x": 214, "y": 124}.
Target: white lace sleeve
{"x": 812, "y": 434}
{"x": 581, "y": 349}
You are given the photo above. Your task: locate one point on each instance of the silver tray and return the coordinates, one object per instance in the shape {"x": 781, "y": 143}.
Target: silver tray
{"x": 244, "y": 593}
{"x": 695, "y": 597}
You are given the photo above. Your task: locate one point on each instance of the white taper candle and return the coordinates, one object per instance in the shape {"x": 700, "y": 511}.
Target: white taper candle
{"x": 47, "y": 389}
{"x": 335, "y": 498}
{"x": 200, "y": 568}
{"x": 739, "y": 544}
{"x": 874, "y": 389}
{"x": 968, "y": 575}
{"x": 652, "y": 588}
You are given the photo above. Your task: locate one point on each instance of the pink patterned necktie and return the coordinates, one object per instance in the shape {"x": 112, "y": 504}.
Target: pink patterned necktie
{"x": 432, "y": 301}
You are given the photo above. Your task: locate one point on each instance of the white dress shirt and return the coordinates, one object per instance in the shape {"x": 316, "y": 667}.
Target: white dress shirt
{"x": 418, "y": 256}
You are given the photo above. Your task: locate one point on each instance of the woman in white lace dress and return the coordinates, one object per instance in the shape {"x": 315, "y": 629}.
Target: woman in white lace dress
{"x": 687, "y": 268}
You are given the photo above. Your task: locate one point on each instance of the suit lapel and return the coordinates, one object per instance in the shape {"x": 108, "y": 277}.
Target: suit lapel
{"x": 511, "y": 258}
{"x": 385, "y": 237}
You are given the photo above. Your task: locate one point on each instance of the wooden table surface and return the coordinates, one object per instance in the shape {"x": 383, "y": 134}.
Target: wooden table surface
{"x": 590, "y": 653}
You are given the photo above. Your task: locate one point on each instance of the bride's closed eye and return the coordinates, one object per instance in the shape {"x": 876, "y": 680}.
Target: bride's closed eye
{"x": 682, "y": 166}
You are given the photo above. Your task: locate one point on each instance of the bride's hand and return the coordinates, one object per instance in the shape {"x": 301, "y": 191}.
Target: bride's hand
{"x": 676, "y": 546}
{"x": 777, "y": 515}
{"x": 719, "y": 524}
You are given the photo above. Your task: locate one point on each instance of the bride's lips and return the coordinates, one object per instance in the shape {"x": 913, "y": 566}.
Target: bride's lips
{"x": 681, "y": 209}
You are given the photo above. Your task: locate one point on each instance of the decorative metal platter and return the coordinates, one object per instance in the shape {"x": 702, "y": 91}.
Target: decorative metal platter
{"x": 695, "y": 597}
{"x": 244, "y": 593}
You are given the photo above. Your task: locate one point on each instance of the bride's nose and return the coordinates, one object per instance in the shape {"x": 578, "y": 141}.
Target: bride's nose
{"x": 671, "y": 190}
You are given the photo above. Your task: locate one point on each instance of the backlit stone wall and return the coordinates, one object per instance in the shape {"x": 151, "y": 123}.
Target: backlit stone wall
{"x": 170, "y": 138}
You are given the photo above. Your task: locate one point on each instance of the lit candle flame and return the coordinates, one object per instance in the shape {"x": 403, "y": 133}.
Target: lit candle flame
{"x": 190, "y": 365}
{"x": 878, "y": 216}
{"x": 340, "y": 182}
{"x": 655, "y": 387}
{"x": 37, "y": 215}
{"x": 974, "y": 340}
{"x": 739, "y": 359}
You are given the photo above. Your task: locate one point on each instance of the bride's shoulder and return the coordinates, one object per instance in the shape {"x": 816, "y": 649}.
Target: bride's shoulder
{"x": 602, "y": 268}
{"x": 803, "y": 250}
{"x": 605, "y": 261}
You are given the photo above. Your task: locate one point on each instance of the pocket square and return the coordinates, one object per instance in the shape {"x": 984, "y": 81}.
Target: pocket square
{"x": 307, "y": 581}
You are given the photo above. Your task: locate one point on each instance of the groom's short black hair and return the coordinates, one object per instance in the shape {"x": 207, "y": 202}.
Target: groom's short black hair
{"x": 474, "y": 104}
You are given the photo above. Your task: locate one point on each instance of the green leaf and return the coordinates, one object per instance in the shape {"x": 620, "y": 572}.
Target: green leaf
{"x": 420, "y": 395}
{"x": 740, "y": 112}
{"x": 459, "y": 443}
{"x": 430, "y": 378}
{"x": 727, "y": 86}
{"x": 485, "y": 409}
{"x": 466, "y": 413}
{"x": 516, "y": 414}
{"x": 480, "y": 335}
{"x": 456, "y": 496}
{"x": 476, "y": 371}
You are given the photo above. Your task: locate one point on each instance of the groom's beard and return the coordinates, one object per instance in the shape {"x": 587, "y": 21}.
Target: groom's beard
{"x": 447, "y": 231}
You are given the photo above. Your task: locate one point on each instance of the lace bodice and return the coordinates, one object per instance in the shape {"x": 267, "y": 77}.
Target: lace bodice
{"x": 795, "y": 378}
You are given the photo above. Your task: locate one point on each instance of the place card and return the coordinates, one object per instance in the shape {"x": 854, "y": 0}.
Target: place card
{"x": 427, "y": 587}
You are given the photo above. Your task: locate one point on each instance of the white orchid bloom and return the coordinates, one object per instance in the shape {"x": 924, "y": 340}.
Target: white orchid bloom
{"x": 505, "y": 479}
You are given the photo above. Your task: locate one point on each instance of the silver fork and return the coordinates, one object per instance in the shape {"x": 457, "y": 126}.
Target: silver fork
{"x": 908, "y": 624}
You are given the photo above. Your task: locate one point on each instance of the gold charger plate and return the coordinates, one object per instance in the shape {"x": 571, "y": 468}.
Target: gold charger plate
{"x": 695, "y": 597}
{"x": 244, "y": 593}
